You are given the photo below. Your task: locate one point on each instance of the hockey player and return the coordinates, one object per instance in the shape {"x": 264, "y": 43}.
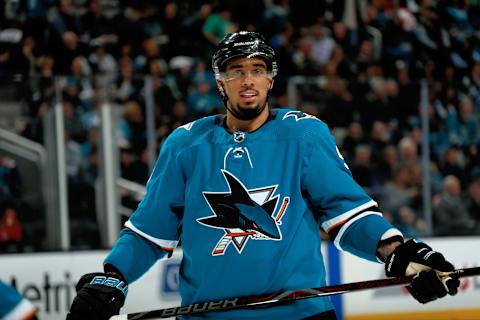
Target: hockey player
{"x": 247, "y": 193}
{"x": 13, "y": 306}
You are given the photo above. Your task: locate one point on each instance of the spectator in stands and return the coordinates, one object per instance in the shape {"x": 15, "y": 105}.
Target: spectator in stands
{"x": 398, "y": 192}
{"x": 284, "y": 44}
{"x": 463, "y": 125}
{"x": 472, "y": 85}
{"x": 460, "y": 30}
{"x": 451, "y": 216}
{"x": 91, "y": 142}
{"x": 181, "y": 69}
{"x": 275, "y": 16}
{"x": 365, "y": 55}
{"x": 398, "y": 39}
{"x": 384, "y": 168}
{"x": 379, "y": 139}
{"x": 150, "y": 52}
{"x": 194, "y": 42}
{"x": 202, "y": 72}
{"x": 127, "y": 85}
{"x": 45, "y": 73}
{"x": 473, "y": 199}
{"x": 342, "y": 66}
{"x": 127, "y": 159}
{"x": 362, "y": 168}
{"x": 409, "y": 224}
{"x": 322, "y": 45}
{"x": 163, "y": 86}
{"x": 453, "y": 164}
{"x": 10, "y": 184}
{"x": 22, "y": 59}
{"x": 131, "y": 128}
{"x": 338, "y": 99}
{"x": 218, "y": 24}
{"x": 95, "y": 26}
{"x": 11, "y": 229}
{"x": 103, "y": 63}
{"x": 354, "y": 138}
{"x": 408, "y": 152}
{"x": 73, "y": 120}
{"x": 346, "y": 39}
{"x": 171, "y": 24}
{"x": 64, "y": 52}
{"x": 408, "y": 96}
{"x": 79, "y": 79}
{"x": 129, "y": 26}
{"x": 202, "y": 101}
{"x": 180, "y": 115}
{"x": 64, "y": 19}
{"x": 438, "y": 135}
{"x": 36, "y": 23}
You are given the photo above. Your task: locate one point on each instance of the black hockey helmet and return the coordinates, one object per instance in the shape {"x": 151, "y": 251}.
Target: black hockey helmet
{"x": 243, "y": 44}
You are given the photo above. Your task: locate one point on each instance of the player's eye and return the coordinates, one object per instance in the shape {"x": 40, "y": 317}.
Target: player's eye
{"x": 235, "y": 74}
{"x": 258, "y": 73}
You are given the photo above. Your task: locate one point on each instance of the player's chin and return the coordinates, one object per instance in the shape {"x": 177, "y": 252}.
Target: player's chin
{"x": 249, "y": 106}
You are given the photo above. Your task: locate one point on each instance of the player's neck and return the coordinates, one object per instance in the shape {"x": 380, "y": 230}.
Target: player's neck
{"x": 247, "y": 125}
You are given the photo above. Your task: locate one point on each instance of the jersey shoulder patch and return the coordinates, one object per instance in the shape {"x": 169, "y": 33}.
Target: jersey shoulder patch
{"x": 189, "y": 133}
{"x": 299, "y": 115}
{"x": 196, "y": 126}
{"x": 302, "y": 125}
{"x": 187, "y": 126}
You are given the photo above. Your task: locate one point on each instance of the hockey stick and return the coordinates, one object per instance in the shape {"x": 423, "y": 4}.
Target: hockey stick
{"x": 280, "y": 297}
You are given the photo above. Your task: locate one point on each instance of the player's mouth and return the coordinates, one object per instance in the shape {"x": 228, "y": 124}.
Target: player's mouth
{"x": 249, "y": 95}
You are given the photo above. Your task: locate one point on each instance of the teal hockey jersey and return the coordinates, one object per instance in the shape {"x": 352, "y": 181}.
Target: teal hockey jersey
{"x": 247, "y": 207}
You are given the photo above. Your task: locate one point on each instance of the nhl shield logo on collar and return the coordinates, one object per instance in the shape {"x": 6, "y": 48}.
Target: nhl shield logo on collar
{"x": 239, "y": 136}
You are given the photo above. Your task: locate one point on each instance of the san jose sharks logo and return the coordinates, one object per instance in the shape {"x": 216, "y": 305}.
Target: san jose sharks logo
{"x": 299, "y": 115}
{"x": 244, "y": 214}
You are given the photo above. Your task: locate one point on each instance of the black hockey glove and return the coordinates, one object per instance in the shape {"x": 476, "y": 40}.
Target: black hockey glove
{"x": 99, "y": 296}
{"x": 429, "y": 268}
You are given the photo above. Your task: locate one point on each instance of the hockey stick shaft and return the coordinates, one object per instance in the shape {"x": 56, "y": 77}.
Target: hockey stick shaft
{"x": 280, "y": 297}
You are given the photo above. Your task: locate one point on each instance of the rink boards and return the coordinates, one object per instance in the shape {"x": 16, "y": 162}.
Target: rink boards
{"x": 48, "y": 280}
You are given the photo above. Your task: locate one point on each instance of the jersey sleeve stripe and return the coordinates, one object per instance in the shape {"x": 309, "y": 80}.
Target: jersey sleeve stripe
{"x": 349, "y": 223}
{"x": 23, "y": 310}
{"x": 164, "y": 244}
{"x": 343, "y": 218}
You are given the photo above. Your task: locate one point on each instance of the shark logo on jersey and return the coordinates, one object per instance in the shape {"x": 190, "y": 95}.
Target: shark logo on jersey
{"x": 244, "y": 214}
{"x": 299, "y": 115}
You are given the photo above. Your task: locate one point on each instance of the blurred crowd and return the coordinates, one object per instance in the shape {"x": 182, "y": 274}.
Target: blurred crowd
{"x": 372, "y": 56}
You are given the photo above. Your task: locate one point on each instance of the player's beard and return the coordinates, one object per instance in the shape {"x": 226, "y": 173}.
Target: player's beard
{"x": 247, "y": 114}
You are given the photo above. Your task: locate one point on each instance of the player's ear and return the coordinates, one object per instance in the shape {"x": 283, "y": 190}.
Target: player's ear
{"x": 220, "y": 86}
{"x": 270, "y": 86}
{"x": 221, "y": 89}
